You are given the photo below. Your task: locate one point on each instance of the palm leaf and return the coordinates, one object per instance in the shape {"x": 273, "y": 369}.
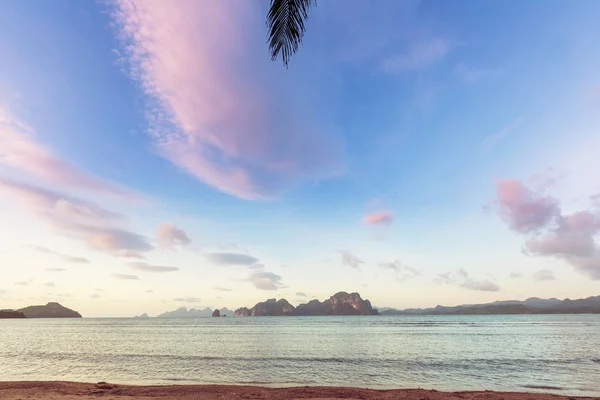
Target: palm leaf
{"x": 285, "y": 21}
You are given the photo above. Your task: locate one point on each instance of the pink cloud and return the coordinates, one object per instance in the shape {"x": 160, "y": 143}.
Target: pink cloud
{"x": 573, "y": 236}
{"x": 79, "y": 219}
{"x": 213, "y": 111}
{"x": 170, "y": 236}
{"x": 55, "y": 205}
{"x": 570, "y": 237}
{"x": 20, "y": 150}
{"x": 382, "y": 217}
{"x": 522, "y": 209}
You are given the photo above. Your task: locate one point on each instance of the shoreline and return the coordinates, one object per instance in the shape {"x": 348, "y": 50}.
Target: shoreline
{"x": 61, "y": 390}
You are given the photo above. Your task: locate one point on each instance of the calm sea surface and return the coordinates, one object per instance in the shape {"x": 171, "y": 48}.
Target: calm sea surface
{"x": 516, "y": 353}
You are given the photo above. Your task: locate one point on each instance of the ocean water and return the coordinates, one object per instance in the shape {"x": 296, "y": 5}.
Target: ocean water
{"x": 550, "y": 353}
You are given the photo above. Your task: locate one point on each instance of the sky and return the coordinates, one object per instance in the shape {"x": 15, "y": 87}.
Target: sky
{"x": 152, "y": 156}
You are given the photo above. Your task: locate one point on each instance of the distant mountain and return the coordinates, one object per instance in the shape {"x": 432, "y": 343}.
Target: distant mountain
{"x": 142, "y": 316}
{"x": 183, "y": 312}
{"x": 532, "y": 305}
{"x": 11, "y": 314}
{"x": 341, "y": 303}
{"x": 50, "y": 310}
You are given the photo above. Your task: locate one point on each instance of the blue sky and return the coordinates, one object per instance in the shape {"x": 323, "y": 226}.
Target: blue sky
{"x": 418, "y": 152}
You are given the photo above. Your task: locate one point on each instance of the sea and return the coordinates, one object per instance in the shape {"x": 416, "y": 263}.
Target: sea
{"x": 537, "y": 353}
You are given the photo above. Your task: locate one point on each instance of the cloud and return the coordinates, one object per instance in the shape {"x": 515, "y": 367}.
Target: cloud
{"x": 570, "y": 237}
{"x": 461, "y": 278}
{"x": 403, "y": 272}
{"x": 350, "y": 259}
{"x": 221, "y": 289}
{"x": 20, "y": 150}
{"x": 515, "y": 275}
{"x": 544, "y": 275}
{"x": 23, "y": 283}
{"x": 170, "y": 236}
{"x": 522, "y": 209}
{"x": 484, "y": 285}
{"x": 224, "y": 259}
{"x": 469, "y": 74}
{"x": 54, "y": 205}
{"x": 49, "y": 284}
{"x": 382, "y": 217}
{"x": 125, "y": 276}
{"x": 419, "y": 56}
{"x": 188, "y": 299}
{"x": 264, "y": 280}
{"x": 95, "y": 296}
{"x": 55, "y": 269}
{"x": 490, "y": 141}
{"x": 451, "y": 277}
{"x": 72, "y": 259}
{"x": 301, "y": 294}
{"x": 114, "y": 241}
{"x": 79, "y": 219}
{"x": 149, "y": 291}
{"x": 212, "y": 108}
{"x": 140, "y": 266}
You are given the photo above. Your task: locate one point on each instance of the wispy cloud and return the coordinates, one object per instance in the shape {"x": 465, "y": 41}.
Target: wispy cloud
{"x": 515, "y": 275}
{"x": 49, "y": 284}
{"x": 300, "y": 294}
{"x": 55, "y": 269}
{"x": 544, "y": 275}
{"x": 420, "y": 55}
{"x": 23, "y": 283}
{"x": 188, "y": 300}
{"x": 403, "y": 272}
{"x": 221, "y": 289}
{"x": 492, "y": 140}
{"x": 169, "y": 236}
{"x": 72, "y": 259}
{"x": 461, "y": 278}
{"x": 79, "y": 219}
{"x": 485, "y": 285}
{"x": 140, "y": 266}
{"x": 350, "y": 259}
{"x": 224, "y": 259}
{"x": 125, "y": 277}
{"x": 20, "y": 150}
{"x": 54, "y": 205}
{"x": 211, "y": 110}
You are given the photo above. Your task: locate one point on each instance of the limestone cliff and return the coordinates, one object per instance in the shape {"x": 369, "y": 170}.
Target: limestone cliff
{"x": 341, "y": 303}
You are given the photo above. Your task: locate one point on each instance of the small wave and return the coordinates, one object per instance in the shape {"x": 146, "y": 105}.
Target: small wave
{"x": 544, "y": 387}
{"x": 596, "y": 360}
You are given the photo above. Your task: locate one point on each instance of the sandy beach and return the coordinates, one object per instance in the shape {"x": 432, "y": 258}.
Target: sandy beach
{"x": 108, "y": 391}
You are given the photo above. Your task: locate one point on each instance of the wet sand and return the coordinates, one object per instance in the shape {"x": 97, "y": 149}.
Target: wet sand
{"x": 108, "y": 391}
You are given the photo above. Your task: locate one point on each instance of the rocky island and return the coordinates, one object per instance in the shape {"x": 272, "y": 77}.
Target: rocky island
{"x": 50, "y": 310}
{"x": 532, "y": 305}
{"x": 183, "y": 312}
{"x": 341, "y": 303}
{"x": 11, "y": 314}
